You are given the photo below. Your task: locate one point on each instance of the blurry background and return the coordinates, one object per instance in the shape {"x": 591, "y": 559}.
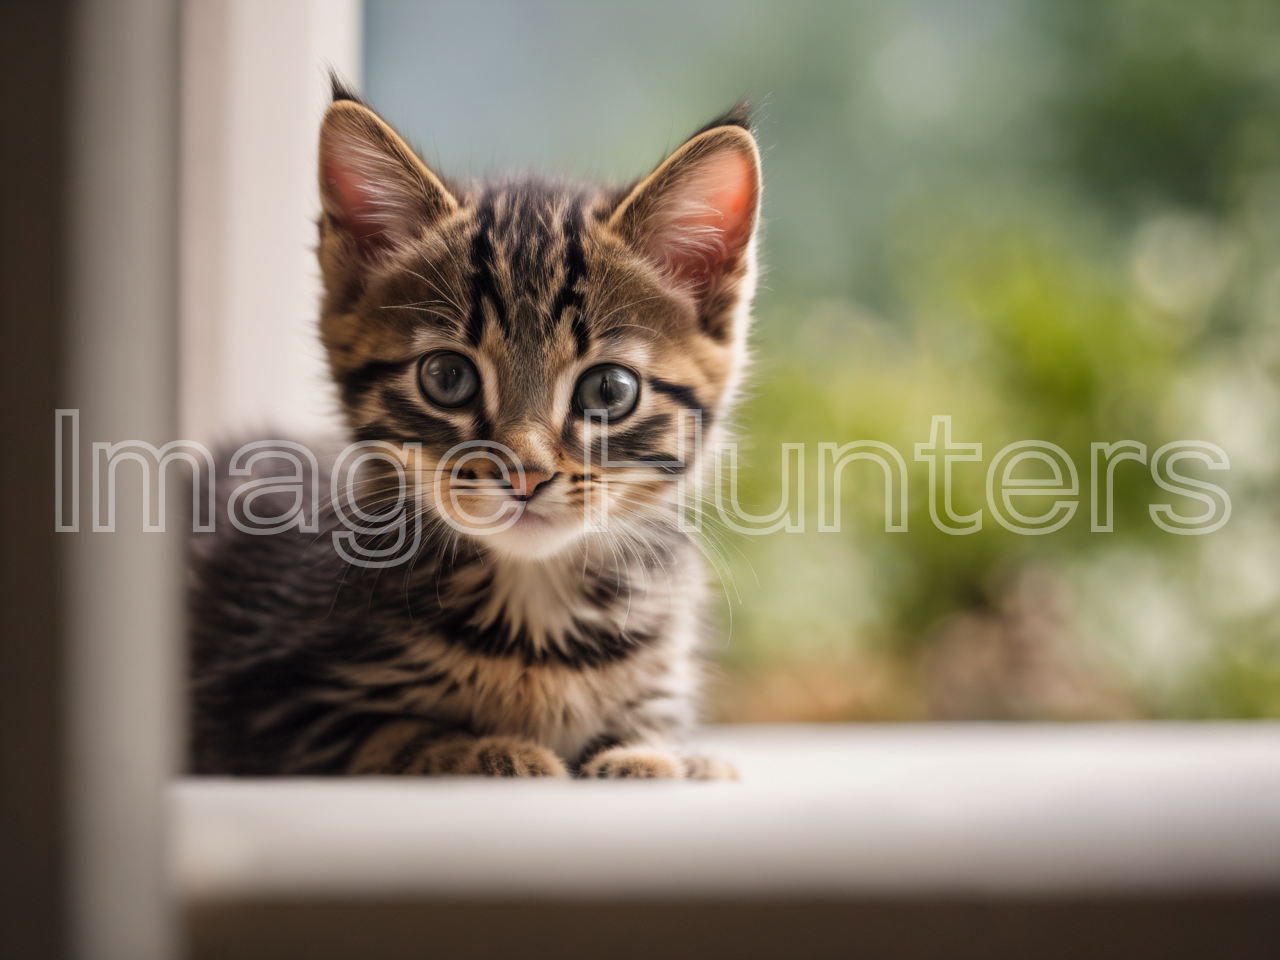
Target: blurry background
{"x": 1050, "y": 220}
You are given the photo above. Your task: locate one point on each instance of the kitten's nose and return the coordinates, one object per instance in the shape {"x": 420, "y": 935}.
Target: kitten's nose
{"x": 526, "y": 486}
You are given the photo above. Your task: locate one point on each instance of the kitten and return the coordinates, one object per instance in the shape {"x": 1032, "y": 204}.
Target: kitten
{"x": 496, "y": 311}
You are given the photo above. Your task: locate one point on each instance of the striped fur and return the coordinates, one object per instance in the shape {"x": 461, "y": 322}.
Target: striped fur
{"x": 545, "y": 648}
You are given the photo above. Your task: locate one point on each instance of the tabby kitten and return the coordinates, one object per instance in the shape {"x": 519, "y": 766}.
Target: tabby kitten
{"x": 497, "y": 311}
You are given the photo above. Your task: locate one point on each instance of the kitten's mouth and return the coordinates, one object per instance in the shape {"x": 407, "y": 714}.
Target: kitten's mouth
{"x": 530, "y": 519}
{"x": 536, "y": 532}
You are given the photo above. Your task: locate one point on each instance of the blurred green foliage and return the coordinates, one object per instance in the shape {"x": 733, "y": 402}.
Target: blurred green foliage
{"x": 1111, "y": 276}
{"x": 1049, "y": 219}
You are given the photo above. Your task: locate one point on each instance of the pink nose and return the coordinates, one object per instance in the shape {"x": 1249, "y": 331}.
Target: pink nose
{"x": 525, "y": 487}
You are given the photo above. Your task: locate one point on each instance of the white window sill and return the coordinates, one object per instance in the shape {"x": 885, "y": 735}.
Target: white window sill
{"x": 820, "y": 811}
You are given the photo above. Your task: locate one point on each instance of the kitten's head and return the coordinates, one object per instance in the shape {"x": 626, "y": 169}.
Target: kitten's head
{"x": 486, "y": 321}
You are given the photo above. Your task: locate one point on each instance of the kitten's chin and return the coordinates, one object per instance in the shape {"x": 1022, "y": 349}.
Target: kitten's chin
{"x": 533, "y": 537}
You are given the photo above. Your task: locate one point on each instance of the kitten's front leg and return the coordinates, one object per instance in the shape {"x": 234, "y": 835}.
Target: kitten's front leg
{"x": 419, "y": 748}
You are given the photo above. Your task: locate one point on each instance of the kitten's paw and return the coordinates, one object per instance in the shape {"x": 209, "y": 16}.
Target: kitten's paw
{"x": 708, "y": 768}
{"x": 510, "y": 757}
{"x": 634, "y": 762}
{"x": 489, "y": 757}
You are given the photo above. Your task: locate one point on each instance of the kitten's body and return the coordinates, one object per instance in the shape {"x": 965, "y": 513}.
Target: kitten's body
{"x": 508, "y": 652}
{"x": 300, "y": 658}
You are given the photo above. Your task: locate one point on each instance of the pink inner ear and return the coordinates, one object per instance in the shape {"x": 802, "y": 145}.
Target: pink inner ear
{"x": 358, "y": 209}
{"x": 708, "y": 222}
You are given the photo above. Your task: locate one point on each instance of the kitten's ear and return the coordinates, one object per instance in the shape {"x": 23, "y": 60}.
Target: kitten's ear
{"x": 372, "y": 184}
{"x": 695, "y": 215}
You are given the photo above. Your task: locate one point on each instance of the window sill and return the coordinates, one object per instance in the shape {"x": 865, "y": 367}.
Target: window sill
{"x": 820, "y": 812}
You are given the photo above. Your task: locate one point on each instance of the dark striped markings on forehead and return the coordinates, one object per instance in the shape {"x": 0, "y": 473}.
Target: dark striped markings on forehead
{"x": 526, "y": 255}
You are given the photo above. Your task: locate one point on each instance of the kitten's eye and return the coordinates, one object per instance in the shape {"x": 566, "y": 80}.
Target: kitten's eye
{"x": 448, "y": 379}
{"x": 608, "y": 387}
